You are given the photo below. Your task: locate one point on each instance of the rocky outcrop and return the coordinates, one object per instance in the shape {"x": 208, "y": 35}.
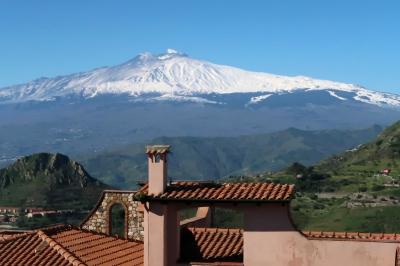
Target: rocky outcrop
{"x": 48, "y": 180}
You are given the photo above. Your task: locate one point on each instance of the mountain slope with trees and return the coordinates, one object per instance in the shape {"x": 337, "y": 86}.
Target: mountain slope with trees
{"x": 49, "y": 181}
{"x": 357, "y": 190}
{"x": 213, "y": 158}
{"x": 375, "y": 156}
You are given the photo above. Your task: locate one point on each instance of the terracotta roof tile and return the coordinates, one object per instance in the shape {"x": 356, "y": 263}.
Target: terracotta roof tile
{"x": 183, "y": 190}
{"x": 69, "y": 246}
{"x": 380, "y": 237}
{"x": 7, "y": 235}
{"x": 157, "y": 149}
{"x": 29, "y": 249}
{"x": 211, "y": 245}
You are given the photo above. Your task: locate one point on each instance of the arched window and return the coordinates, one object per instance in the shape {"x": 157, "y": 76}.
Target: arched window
{"x": 117, "y": 220}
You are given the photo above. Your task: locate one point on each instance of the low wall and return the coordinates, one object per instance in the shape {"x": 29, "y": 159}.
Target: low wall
{"x": 98, "y": 219}
{"x": 203, "y": 218}
{"x": 271, "y": 239}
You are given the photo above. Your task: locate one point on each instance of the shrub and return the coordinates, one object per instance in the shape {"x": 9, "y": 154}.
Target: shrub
{"x": 296, "y": 208}
{"x": 297, "y": 168}
{"x": 314, "y": 197}
{"x": 318, "y": 206}
{"x": 362, "y": 189}
{"x": 329, "y": 189}
{"x": 377, "y": 187}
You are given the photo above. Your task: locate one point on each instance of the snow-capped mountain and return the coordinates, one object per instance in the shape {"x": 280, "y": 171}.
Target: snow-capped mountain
{"x": 174, "y": 76}
{"x": 172, "y": 94}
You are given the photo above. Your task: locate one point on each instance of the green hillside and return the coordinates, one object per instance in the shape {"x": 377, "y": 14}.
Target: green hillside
{"x": 211, "y": 158}
{"x": 350, "y": 191}
{"x": 383, "y": 152}
{"x": 50, "y": 181}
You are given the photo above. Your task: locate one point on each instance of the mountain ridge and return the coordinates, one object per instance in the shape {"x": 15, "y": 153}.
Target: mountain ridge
{"x": 174, "y": 76}
{"x": 214, "y": 158}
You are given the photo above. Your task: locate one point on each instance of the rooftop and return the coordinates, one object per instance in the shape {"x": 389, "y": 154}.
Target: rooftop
{"x": 212, "y": 245}
{"x": 198, "y": 191}
{"x": 66, "y": 245}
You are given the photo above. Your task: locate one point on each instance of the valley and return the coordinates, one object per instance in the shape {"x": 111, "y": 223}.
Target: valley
{"x": 195, "y": 158}
{"x": 328, "y": 198}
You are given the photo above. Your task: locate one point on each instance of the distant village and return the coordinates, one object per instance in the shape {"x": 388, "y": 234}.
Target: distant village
{"x": 9, "y": 215}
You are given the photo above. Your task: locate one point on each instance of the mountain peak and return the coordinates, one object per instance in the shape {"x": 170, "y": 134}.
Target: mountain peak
{"x": 147, "y": 57}
{"x": 172, "y": 51}
{"x": 174, "y": 73}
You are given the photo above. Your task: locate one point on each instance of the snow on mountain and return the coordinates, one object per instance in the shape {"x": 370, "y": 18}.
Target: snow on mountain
{"x": 332, "y": 93}
{"x": 176, "y": 77}
{"x": 260, "y": 98}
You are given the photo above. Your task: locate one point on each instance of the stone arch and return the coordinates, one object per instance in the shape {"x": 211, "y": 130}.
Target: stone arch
{"x": 111, "y": 223}
{"x": 98, "y": 219}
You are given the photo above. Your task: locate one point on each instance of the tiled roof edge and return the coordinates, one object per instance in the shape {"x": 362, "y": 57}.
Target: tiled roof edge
{"x": 119, "y": 191}
{"x": 60, "y": 250}
{"x": 217, "y": 263}
{"x": 151, "y": 198}
{"x": 284, "y": 196}
{"x": 14, "y": 237}
{"x": 55, "y": 227}
{"x": 215, "y": 229}
{"x": 352, "y": 236}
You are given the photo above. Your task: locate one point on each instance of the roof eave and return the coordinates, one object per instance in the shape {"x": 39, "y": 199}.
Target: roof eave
{"x": 234, "y": 201}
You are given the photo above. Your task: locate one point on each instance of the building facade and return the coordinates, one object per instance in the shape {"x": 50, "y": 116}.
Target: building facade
{"x": 268, "y": 236}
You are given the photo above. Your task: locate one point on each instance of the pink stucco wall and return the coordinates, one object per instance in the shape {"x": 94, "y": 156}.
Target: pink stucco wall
{"x": 161, "y": 230}
{"x": 203, "y": 218}
{"x": 155, "y": 235}
{"x": 157, "y": 174}
{"x": 292, "y": 249}
{"x": 270, "y": 239}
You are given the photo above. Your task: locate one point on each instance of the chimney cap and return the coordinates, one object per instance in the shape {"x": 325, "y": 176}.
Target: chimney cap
{"x": 160, "y": 149}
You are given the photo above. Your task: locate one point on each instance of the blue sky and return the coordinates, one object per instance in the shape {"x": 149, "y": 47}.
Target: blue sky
{"x": 350, "y": 41}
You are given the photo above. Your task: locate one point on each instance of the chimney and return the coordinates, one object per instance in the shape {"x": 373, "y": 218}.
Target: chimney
{"x": 157, "y": 164}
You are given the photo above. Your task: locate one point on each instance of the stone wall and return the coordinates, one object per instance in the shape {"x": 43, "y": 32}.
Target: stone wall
{"x": 99, "y": 218}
